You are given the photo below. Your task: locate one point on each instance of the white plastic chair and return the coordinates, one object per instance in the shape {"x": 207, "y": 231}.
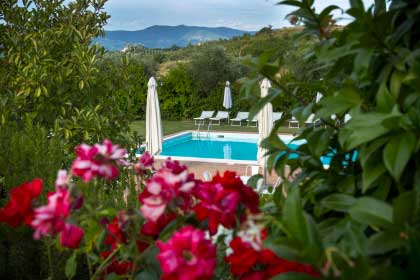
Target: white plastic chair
{"x": 241, "y": 116}
{"x": 294, "y": 123}
{"x": 204, "y": 115}
{"x": 221, "y": 115}
{"x": 254, "y": 120}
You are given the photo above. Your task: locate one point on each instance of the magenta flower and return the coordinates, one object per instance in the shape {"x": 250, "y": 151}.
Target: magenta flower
{"x": 217, "y": 204}
{"x": 50, "y": 219}
{"x": 71, "y": 236}
{"x": 187, "y": 255}
{"x": 171, "y": 187}
{"x": 223, "y": 201}
{"x": 145, "y": 162}
{"x": 97, "y": 160}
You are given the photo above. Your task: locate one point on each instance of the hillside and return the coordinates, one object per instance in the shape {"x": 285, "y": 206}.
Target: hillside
{"x": 161, "y": 36}
{"x": 237, "y": 47}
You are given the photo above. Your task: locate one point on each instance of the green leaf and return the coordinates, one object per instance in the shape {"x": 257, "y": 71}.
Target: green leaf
{"x": 358, "y": 4}
{"x": 362, "y": 59}
{"x": 357, "y": 239}
{"x": 38, "y": 92}
{"x": 396, "y": 81}
{"x": 397, "y": 153}
{"x": 371, "y": 172}
{"x": 100, "y": 240}
{"x": 359, "y": 130}
{"x": 404, "y": 206}
{"x": 370, "y": 211}
{"x": 293, "y": 276}
{"x": 344, "y": 100}
{"x": 338, "y": 202}
{"x": 109, "y": 212}
{"x": 383, "y": 242}
{"x": 253, "y": 181}
{"x": 293, "y": 216}
{"x": 147, "y": 275}
{"x": 380, "y": 7}
{"x": 384, "y": 99}
{"x": 292, "y": 3}
{"x": 71, "y": 266}
{"x": 318, "y": 142}
{"x": 262, "y": 102}
{"x": 324, "y": 15}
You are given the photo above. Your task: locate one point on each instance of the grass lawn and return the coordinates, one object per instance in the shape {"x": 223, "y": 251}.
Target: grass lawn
{"x": 170, "y": 127}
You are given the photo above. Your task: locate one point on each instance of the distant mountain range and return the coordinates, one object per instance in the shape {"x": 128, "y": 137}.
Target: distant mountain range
{"x": 163, "y": 36}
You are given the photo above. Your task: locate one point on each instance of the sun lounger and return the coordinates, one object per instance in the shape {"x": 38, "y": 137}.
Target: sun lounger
{"x": 311, "y": 121}
{"x": 277, "y": 116}
{"x": 221, "y": 115}
{"x": 294, "y": 123}
{"x": 253, "y": 121}
{"x": 204, "y": 115}
{"x": 241, "y": 116}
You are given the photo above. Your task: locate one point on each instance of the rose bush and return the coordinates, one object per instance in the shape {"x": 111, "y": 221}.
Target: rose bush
{"x": 174, "y": 231}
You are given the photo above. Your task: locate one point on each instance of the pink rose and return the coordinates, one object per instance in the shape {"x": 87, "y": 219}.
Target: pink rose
{"x": 187, "y": 255}
{"x": 98, "y": 160}
{"x": 171, "y": 185}
{"x": 50, "y": 219}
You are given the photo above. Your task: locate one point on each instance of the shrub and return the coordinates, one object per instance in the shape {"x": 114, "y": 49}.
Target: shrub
{"x": 359, "y": 217}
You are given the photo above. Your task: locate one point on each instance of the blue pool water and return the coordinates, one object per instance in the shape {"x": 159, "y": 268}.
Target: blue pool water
{"x": 232, "y": 146}
{"x": 207, "y": 148}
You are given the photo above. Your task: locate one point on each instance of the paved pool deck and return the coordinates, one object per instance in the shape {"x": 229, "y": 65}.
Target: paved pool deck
{"x": 199, "y": 168}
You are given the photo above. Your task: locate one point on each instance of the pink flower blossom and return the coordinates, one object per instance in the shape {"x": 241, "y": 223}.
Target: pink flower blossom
{"x": 50, "y": 219}
{"x": 62, "y": 179}
{"x": 71, "y": 236}
{"x": 170, "y": 186}
{"x": 145, "y": 162}
{"x": 97, "y": 160}
{"x": 187, "y": 255}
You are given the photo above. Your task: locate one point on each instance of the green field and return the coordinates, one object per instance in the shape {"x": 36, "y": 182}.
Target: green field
{"x": 170, "y": 127}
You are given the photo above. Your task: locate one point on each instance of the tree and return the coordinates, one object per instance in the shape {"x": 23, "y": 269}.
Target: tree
{"x": 211, "y": 67}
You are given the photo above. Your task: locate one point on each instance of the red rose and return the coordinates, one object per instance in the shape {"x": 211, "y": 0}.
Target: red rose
{"x": 19, "y": 208}
{"x": 222, "y": 201}
{"x": 71, "y": 236}
{"x": 248, "y": 263}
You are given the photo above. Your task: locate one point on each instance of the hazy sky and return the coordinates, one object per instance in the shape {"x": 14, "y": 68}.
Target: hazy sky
{"x": 241, "y": 14}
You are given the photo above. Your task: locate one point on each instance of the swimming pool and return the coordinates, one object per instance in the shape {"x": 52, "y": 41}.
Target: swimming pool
{"x": 216, "y": 147}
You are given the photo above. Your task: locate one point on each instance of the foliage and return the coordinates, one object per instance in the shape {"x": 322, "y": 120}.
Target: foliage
{"x": 55, "y": 92}
{"x": 176, "y": 94}
{"x": 211, "y": 67}
{"x": 52, "y": 71}
{"x": 28, "y": 151}
{"x": 359, "y": 217}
